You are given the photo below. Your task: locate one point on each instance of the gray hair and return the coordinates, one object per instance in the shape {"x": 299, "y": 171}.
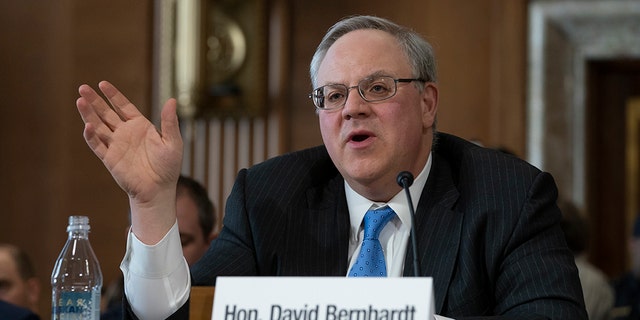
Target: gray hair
{"x": 417, "y": 49}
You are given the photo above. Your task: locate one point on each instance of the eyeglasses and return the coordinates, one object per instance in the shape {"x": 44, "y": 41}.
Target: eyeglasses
{"x": 372, "y": 89}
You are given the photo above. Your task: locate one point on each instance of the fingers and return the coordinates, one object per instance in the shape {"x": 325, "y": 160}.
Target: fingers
{"x": 125, "y": 109}
{"x": 96, "y": 133}
{"x": 100, "y": 111}
{"x": 169, "y": 124}
{"x": 96, "y": 144}
{"x": 102, "y": 118}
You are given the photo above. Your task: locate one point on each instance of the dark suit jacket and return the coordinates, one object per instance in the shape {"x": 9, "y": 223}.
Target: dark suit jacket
{"x": 487, "y": 231}
{"x": 9, "y": 311}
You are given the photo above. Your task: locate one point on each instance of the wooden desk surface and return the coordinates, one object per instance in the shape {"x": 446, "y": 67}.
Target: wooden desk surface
{"x": 201, "y": 303}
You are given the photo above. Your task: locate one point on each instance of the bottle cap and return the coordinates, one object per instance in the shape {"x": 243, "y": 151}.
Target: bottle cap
{"x": 78, "y": 223}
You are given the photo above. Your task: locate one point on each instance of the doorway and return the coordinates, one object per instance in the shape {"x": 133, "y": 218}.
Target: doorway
{"x": 611, "y": 84}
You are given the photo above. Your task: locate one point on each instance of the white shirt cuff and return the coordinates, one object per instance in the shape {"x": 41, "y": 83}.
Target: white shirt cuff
{"x": 156, "y": 277}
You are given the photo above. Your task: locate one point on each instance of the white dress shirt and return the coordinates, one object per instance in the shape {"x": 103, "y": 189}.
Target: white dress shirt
{"x": 157, "y": 280}
{"x": 394, "y": 237}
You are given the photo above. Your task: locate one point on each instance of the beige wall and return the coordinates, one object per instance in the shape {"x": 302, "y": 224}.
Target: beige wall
{"x": 49, "y": 48}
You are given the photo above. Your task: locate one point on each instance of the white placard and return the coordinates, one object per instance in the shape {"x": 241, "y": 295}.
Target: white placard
{"x": 323, "y": 298}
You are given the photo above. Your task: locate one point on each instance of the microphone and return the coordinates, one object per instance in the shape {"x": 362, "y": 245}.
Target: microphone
{"x": 405, "y": 180}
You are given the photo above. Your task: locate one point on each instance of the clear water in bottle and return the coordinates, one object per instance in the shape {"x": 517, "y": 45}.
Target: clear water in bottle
{"x": 76, "y": 279}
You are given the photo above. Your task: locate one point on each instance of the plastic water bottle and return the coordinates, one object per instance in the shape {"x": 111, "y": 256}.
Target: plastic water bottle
{"x": 76, "y": 279}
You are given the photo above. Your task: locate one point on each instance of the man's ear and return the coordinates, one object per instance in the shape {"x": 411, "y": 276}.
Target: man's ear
{"x": 33, "y": 292}
{"x": 212, "y": 235}
{"x": 429, "y": 104}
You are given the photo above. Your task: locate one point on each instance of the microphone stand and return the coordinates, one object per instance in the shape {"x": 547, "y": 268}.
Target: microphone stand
{"x": 405, "y": 180}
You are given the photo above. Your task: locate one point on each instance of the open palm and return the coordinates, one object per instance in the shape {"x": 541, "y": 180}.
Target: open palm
{"x": 141, "y": 159}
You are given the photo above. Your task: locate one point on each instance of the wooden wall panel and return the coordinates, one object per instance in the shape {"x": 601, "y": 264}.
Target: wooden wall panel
{"x": 48, "y": 172}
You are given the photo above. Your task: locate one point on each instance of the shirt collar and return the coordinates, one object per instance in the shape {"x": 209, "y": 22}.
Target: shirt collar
{"x": 358, "y": 205}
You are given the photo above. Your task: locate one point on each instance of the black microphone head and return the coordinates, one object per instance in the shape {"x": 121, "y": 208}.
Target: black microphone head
{"x": 405, "y": 179}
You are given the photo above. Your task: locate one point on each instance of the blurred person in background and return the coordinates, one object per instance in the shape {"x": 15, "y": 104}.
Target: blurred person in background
{"x": 19, "y": 286}
{"x": 627, "y": 287}
{"x": 598, "y": 293}
{"x": 196, "y": 218}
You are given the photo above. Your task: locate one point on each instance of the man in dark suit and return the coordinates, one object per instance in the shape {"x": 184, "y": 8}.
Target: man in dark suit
{"x": 487, "y": 223}
{"x": 9, "y": 311}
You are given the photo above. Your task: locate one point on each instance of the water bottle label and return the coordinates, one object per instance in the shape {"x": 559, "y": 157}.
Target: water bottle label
{"x": 75, "y": 305}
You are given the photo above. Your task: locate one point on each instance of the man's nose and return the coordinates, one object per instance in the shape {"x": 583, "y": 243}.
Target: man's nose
{"x": 355, "y": 106}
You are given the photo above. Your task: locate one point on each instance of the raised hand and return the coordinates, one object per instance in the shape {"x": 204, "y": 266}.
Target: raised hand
{"x": 144, "y": 162}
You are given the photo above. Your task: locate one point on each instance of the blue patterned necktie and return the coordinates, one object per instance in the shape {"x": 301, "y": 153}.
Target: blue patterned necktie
{"x": 370, "y": 261}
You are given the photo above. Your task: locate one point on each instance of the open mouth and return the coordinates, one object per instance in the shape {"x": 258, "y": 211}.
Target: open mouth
{"x": 359, "y": 137}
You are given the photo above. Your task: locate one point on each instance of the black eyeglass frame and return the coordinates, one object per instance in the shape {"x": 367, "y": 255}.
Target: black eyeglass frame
{"x": 316, "y": 94}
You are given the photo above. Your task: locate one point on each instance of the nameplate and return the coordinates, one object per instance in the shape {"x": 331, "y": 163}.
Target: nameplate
{"x": 323, "y": 298}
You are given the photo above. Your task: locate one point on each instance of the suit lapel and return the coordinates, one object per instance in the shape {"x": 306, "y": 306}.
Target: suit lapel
{"x": 327, "y": 225}
{"x": 438, "y": 228}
